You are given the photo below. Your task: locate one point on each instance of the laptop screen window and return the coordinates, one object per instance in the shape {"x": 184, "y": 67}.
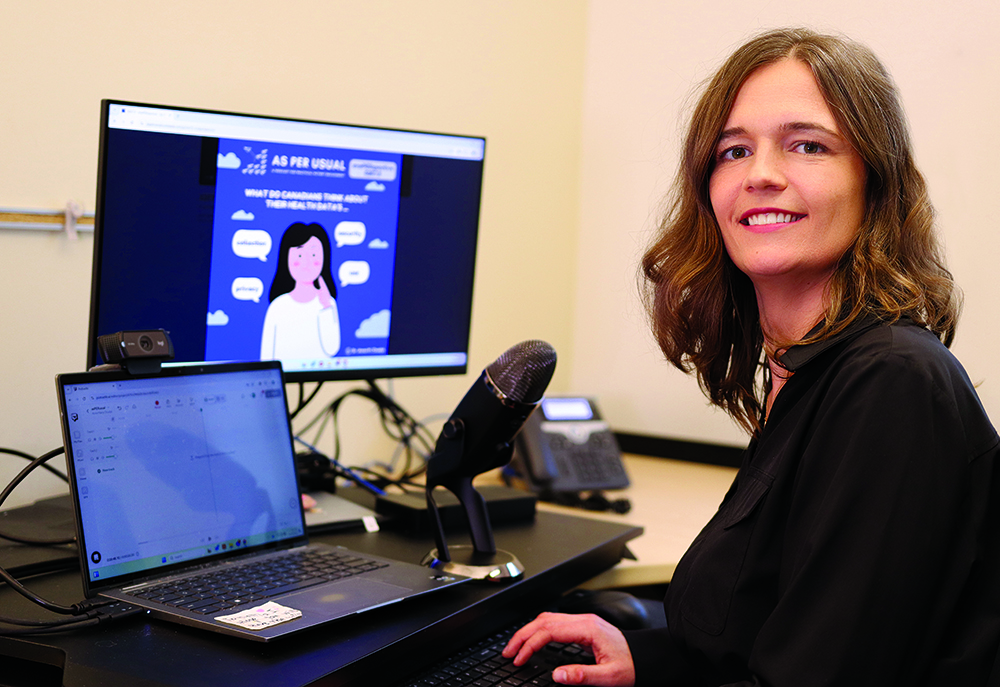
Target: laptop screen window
{"x": 173, "y": 469}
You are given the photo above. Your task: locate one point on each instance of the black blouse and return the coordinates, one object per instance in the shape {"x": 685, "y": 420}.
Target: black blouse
{"x": 860, "y": 542}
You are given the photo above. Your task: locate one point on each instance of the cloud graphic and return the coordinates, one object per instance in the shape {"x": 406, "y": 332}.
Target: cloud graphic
{"x": 228, "y": 161}
{"x": 378, "y": 243}
{"x": 243, "y": 215}
{"x": 375, "y": 327}
{"x": 374, "y": 186}
{"x": 219, "y": 318}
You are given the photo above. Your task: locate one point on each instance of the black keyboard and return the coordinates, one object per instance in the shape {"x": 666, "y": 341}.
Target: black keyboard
{"x": 261, "y": 579}
{"x": 482, "y": 665}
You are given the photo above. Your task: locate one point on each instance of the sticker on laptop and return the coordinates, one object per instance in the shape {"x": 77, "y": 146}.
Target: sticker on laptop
{"x": 261, "y": 617}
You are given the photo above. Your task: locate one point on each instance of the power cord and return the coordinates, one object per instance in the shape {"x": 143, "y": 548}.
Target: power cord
{"x": 28, "y": 456}
{"x": 35, "y": 462}
{"x": 411, "y": 435}
{"x": 343, "y": 470}
{"x": 95, "y": 614}
{"x": 83, "y": 614}
{"x": 303, "y": 402}
{"x": 75, "y": 609}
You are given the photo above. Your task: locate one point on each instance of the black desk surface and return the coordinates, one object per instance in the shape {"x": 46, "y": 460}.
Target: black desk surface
{"x": 558, "y": 551}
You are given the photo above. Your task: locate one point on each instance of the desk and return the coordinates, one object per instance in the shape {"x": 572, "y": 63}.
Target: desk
{"x": 671, "y": 500}
{"x": 559, "y": 552}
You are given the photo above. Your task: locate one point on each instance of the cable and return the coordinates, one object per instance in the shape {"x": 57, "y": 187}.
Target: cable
{"x": 47, "y": 623}
{"x": 383, "y": 481}
{"x": 50, "y": 629}
{"x": 97, "y": 614}
{"x": 303, "y": 403}
{"x": 68, "y": 562}
{"x": 324, "y": 416}
{"x": 37, "y": 542}
{"x": 424, "y": 455}
{"x": 83, "y": 614}
{"x": 75, "y": 609}
{"x": 345, "y": 471}
{"x": 36, "y": 462}
{"x": 27, "y": 456}
{"x": 412, "y": 436}
{"x": 409, "y": 429}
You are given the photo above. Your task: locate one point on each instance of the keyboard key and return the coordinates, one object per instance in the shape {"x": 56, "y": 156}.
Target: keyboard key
{"x": 481, "y": 665}
{"x": 258, "y": 580}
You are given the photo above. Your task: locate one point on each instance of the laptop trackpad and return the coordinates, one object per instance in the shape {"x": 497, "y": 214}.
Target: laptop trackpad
{"x": 345, "y": 597}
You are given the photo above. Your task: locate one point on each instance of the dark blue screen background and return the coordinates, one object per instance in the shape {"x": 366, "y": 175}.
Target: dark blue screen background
{"x": 153, "y": 245}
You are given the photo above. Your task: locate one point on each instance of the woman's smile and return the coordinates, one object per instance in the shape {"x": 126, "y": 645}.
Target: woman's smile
{"x": 769, "y": 219}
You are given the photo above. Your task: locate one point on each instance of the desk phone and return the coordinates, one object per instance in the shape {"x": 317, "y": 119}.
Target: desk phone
{"x": 565, "y": 446}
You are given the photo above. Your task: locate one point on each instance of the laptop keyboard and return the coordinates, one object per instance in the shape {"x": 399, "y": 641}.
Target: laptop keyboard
{"x": 224, "y": 589}
{"x": 481, "y": 665}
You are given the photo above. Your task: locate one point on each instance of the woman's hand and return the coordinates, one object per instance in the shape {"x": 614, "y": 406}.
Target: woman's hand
{"x": 324, "y": 293}
{"x": 613, "y": 667}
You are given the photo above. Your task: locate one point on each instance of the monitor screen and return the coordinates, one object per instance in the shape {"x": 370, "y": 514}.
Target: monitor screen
{"x": 345, "y": 252}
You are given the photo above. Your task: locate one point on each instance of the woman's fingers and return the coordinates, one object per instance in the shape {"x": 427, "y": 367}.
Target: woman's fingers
{"x": 613, "y": 661}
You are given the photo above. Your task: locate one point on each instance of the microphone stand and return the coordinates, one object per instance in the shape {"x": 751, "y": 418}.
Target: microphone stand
{"x": 482, "y": 560}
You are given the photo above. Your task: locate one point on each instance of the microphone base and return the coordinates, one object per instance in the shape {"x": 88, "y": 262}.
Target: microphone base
{"x": 465, "y": 560}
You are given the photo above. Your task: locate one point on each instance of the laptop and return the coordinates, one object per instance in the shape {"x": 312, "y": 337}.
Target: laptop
{"x": 329, "y": 512}
{"x": 190, "y": 473}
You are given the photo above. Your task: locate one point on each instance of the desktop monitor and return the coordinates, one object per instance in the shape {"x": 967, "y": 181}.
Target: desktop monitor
{"x": 346, "y": 252}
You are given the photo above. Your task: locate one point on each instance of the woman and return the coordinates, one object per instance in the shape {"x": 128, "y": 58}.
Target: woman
{"x": 859, "y": 542}
{"x": 302, "y": 320}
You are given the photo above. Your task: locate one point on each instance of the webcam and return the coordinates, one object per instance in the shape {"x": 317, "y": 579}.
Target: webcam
{"x": 138, "y": 352}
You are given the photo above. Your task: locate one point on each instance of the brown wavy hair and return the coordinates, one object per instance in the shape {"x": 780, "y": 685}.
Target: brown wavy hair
{"x": 703, "y": 310}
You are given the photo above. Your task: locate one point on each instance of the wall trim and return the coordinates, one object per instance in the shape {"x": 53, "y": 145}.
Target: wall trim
{"x": 679, "y": 449}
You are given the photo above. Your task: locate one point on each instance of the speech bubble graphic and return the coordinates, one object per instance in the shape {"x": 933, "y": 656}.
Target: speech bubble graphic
{"x": 249, "y": 289}
{"x": 353, "y": 272}
{"x": 252, "y": 243}
{"x": 349, "y": 233}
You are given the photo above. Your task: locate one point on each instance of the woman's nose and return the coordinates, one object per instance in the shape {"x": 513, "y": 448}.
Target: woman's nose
{"x": 765, "y": 171}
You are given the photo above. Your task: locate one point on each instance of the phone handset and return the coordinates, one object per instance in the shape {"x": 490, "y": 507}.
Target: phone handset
{"x": 539, "y": 461}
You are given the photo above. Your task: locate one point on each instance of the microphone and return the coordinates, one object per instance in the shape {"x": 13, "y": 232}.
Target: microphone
{"x": 479, "y": 435}
{"x": 493, "y": 411}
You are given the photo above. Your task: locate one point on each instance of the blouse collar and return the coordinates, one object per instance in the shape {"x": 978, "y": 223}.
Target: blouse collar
{"x": 797, "y": 356}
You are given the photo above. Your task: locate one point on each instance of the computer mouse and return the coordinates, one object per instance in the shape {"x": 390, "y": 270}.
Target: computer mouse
{"x": 623, "y": 610}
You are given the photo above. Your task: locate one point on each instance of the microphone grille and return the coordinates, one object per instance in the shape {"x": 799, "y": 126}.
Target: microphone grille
{"x": 524, "y": 370}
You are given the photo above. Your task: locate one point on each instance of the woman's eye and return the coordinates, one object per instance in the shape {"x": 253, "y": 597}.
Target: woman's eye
{"x": 734, "y": 153}
{"x": 810, "y": 147}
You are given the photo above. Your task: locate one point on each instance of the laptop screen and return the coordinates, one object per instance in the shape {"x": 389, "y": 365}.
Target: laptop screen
{"x": 194, "y": 464}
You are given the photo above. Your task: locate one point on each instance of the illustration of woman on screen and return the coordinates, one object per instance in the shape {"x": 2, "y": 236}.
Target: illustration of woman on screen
{"x": 302, "y": 320}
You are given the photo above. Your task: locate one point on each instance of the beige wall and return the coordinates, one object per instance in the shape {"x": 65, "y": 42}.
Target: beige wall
{"x": 644, "y": 61}
{"x": 510, "y": 71}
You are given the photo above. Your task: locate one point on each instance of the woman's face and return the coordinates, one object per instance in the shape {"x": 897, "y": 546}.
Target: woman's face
{"x": 787, "y": 188}
{"x": 305, "y": 262}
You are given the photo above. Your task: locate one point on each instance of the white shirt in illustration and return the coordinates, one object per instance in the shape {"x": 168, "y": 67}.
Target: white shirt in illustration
{"x": 299, "y": 330}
